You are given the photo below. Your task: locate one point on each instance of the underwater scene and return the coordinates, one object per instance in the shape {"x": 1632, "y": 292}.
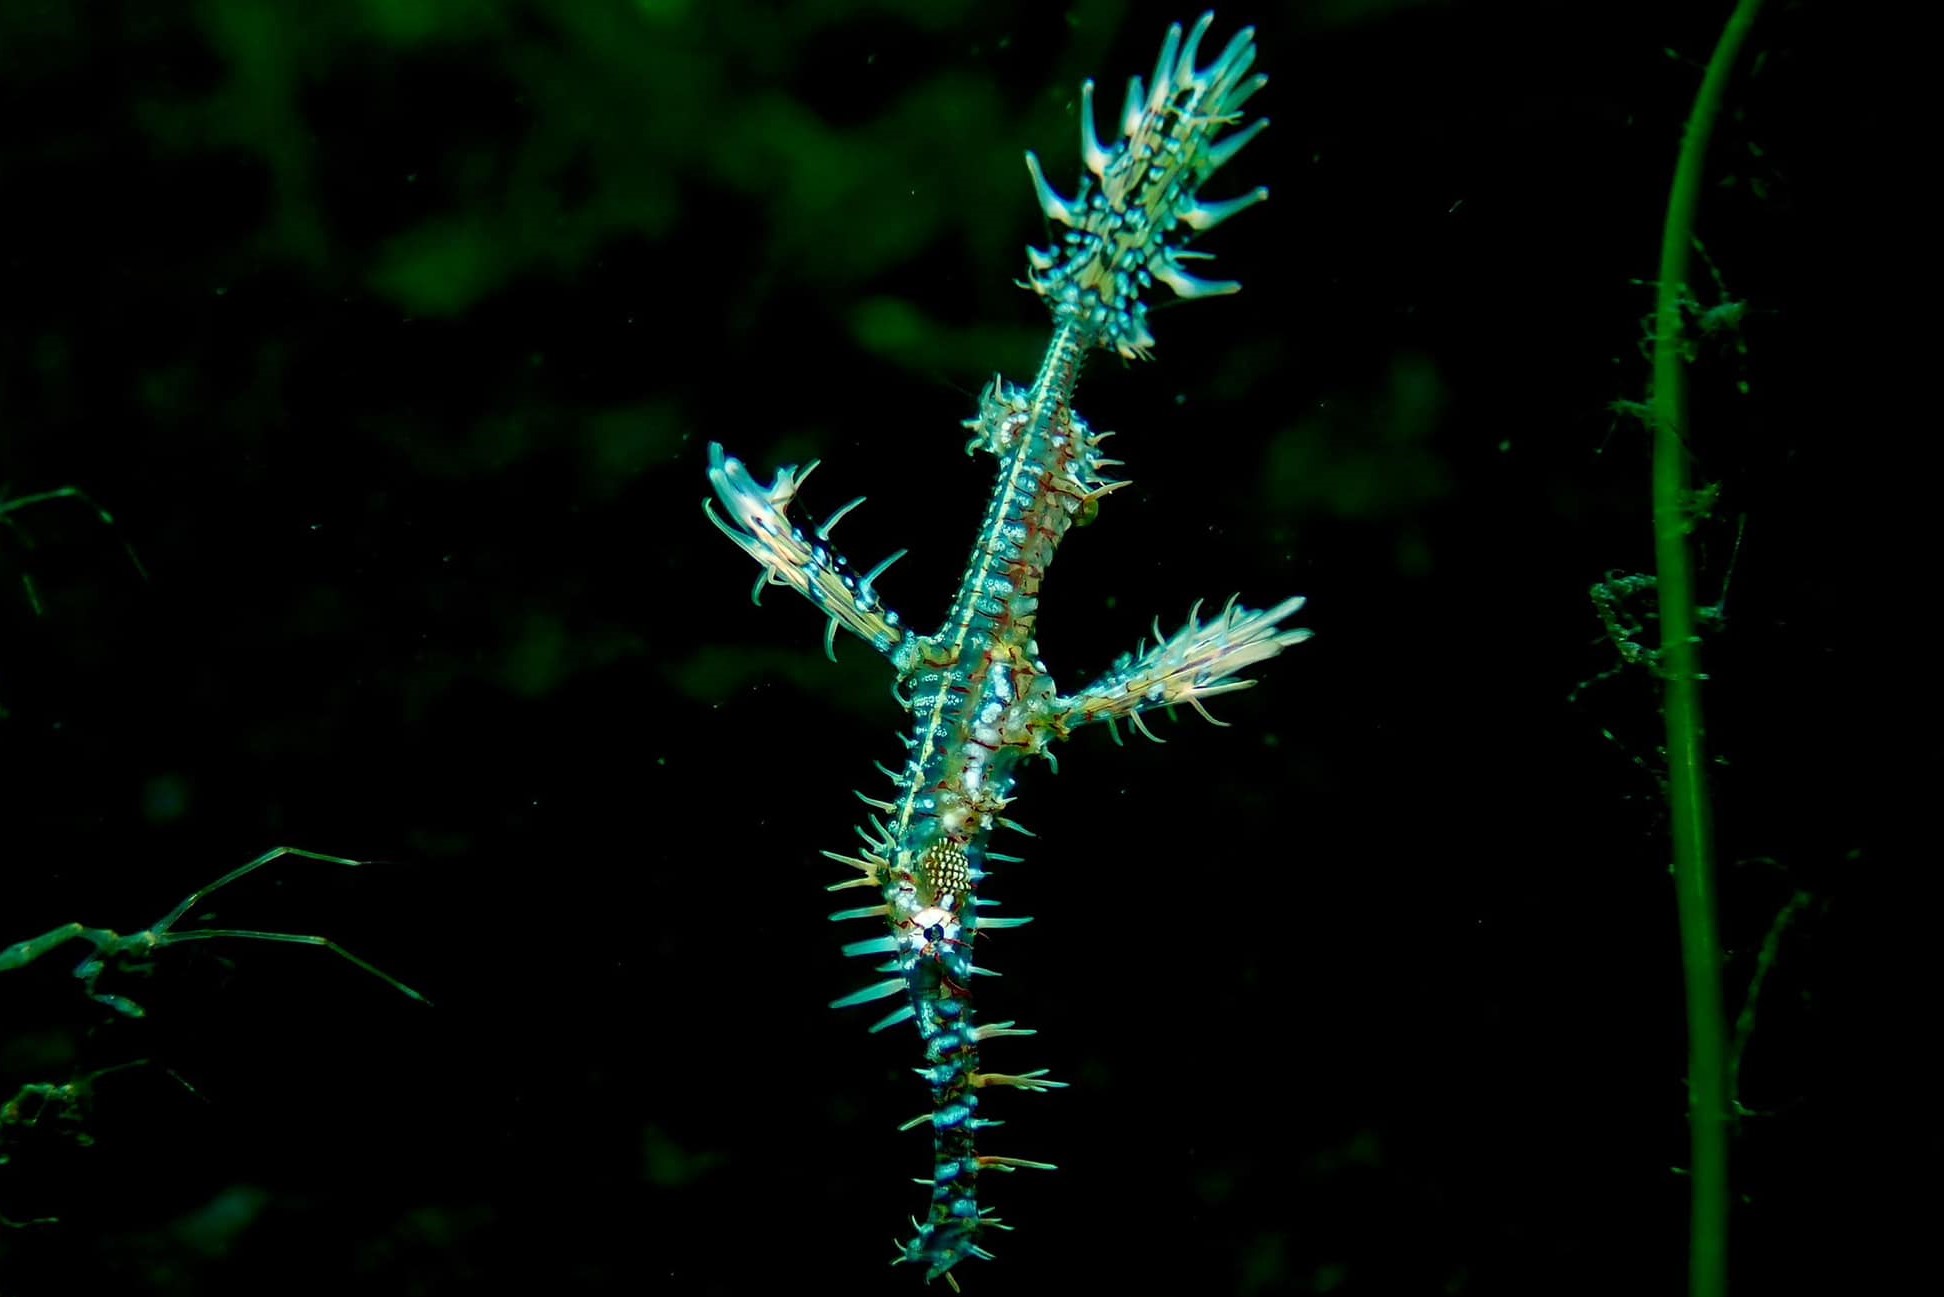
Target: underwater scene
{"x": 1429, "y": 833}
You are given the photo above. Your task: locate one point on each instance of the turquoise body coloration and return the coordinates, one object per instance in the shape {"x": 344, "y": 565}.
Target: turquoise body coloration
{"x": 1125, "y": 228}
{"x": 980, "y": 698}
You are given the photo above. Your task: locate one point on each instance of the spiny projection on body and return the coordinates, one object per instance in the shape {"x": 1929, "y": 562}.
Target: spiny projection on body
{"x": 980, "y": 697}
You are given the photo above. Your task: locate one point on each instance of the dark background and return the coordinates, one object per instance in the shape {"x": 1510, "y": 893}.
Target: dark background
{"x": 392, "y": 335}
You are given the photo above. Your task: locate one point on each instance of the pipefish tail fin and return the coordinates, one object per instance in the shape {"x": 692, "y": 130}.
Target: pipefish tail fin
{"x": 1138, "y": 205}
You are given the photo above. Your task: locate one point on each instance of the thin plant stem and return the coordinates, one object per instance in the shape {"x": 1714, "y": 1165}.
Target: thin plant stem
{"x": 1764, "y": 962}
{"x": 1710, "y": 1105}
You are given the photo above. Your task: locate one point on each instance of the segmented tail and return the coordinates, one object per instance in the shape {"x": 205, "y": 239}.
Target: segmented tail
{"x": 1124, "y": 229}
{"x": 982, "y": 702}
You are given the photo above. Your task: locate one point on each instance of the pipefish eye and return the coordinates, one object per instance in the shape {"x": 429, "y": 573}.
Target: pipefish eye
{"x": 1128, "y": 228}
